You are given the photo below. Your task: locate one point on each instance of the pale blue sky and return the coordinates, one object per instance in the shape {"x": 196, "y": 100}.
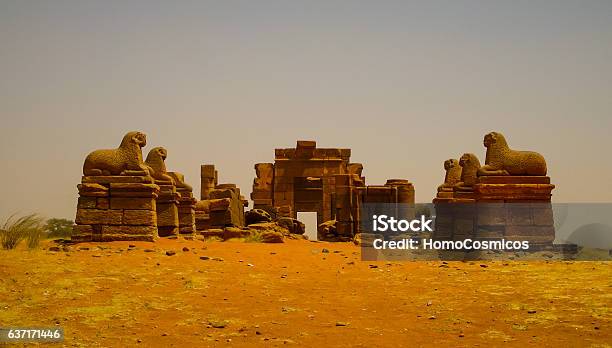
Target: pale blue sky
{"x": 406, "y": 85}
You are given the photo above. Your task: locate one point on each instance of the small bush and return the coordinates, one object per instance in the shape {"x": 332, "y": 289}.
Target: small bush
{"x": 59, "y": 228}
{"x": 254, "y": 237}
{"x": 15, "y": 230}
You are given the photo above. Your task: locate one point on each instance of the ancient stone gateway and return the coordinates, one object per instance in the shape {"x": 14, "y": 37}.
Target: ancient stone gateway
{"x": 321, "y": 180}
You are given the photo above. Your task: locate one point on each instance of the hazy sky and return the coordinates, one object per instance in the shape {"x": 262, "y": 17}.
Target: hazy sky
{"x": 405, "y": 85}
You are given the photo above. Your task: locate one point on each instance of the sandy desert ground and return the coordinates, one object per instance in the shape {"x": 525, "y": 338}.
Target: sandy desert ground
{"x": 239, "y": 294}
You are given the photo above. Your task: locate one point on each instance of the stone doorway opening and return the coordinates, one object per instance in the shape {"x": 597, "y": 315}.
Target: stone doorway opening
{"x": 309, "y": 218}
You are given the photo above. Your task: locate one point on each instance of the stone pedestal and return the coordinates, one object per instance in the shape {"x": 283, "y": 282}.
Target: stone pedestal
{"x": 186, "y": 212}
{"x": 515, "y": 208}
{"x": 167, "y": 210}
{"x": 499, "y": 207}
{"x": 115, "y": 208}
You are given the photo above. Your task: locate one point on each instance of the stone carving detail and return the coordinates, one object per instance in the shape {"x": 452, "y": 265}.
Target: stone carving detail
{"x": 179, "y": 181}
{"x": 469, "y": 168}
{"x": 355, "y": 168}
{"x": 265, "y": 173}
{"x": 501, "y": 160}
{"x": 157, "y": 166}
{"x": 124, "y": 160}
{"x": 453, "y": 175}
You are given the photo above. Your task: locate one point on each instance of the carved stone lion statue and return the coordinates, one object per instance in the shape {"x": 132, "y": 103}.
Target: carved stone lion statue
{"x": 469, "y": 168}
{"x": 157, "y": 166}
{"x": 179, "y": 180}
{"x": 501, "y": 160}
{"x": 124, "y": 160}
{"x": 156, "y": 162}
{"x": 453, "y": 175}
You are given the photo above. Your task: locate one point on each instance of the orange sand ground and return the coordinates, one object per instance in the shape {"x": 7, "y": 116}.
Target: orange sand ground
{"x": 294, "y": 294}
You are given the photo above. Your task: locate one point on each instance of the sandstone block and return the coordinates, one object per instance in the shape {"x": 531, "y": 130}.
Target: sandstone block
{"x": 86, "y": 202}
{"x": 272, "y": 237}
{"x": 511, "y": 179}
{"x": 102, "y": 203}
{"x": 117, "y": 179}
{"x": 167, "y": 214}
{"x": 134, "y": 187}
{"x": 139, "y": 217}
{"x": 219, "y": 204}
{"x": 135, "y": 203}
{"x": 129, "y": 230}
{"x": 234, "y": 232}
{"x": 92, "y": 190}
{"x": 98, "y": 217}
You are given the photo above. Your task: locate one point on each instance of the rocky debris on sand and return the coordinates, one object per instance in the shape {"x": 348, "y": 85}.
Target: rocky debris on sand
{"x": 292, "y": 225}
{"x": 272, "y": 237}
{"x": 170, "y": 252}
{"x": 235, "y": 232}
{"x": 255, "y": 216}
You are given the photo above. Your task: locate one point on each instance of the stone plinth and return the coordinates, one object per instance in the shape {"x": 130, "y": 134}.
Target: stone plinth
{"x": 499, "y": 207}
{"x": 167, "y": 210}
{"x": 515, "y": 208}
{"x": 114, "y": 208}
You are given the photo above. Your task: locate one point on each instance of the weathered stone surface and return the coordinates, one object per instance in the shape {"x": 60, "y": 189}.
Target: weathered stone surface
{"x": 452, "y": 176}
{"x": 501, "y": 160}
{"x": 117, "y": 179}
{"x": 82, "y": 231}
{"x": 213, "y": 232}
{"x": 129, "y": 230}
{"x": 272, "y": 237}
{"x": 157, "y": 166}
{"x": 132, "y": 203}
{"x": 264, "y": 175}
{"x": 208, "y": 176}
{"x": 506, "y": 192}
{"x": 102, "y": 203}
{"x": 87, "y": 202}
{"x": 126, "y": 237}
{"x": 292, "y": 225}
{"x": 469, "y": 167}
{"x": 125, "y": 160}
{"x": 513, "y": 179}
{"x": 92, "y": 190}
{"x": 98, "y": 217}
{"x": 140, "y": 217}
{"x": 256, "y": 216}
{"x": 235, "y": 232}
{"x": 133, "y": 187}
{"x": 167, "y": 214}
{"x": 222, "y": 204}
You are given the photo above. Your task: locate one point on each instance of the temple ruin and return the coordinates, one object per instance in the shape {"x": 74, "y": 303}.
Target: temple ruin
{"x": 123, "y": 197}
{"x": 322, "y": 180}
